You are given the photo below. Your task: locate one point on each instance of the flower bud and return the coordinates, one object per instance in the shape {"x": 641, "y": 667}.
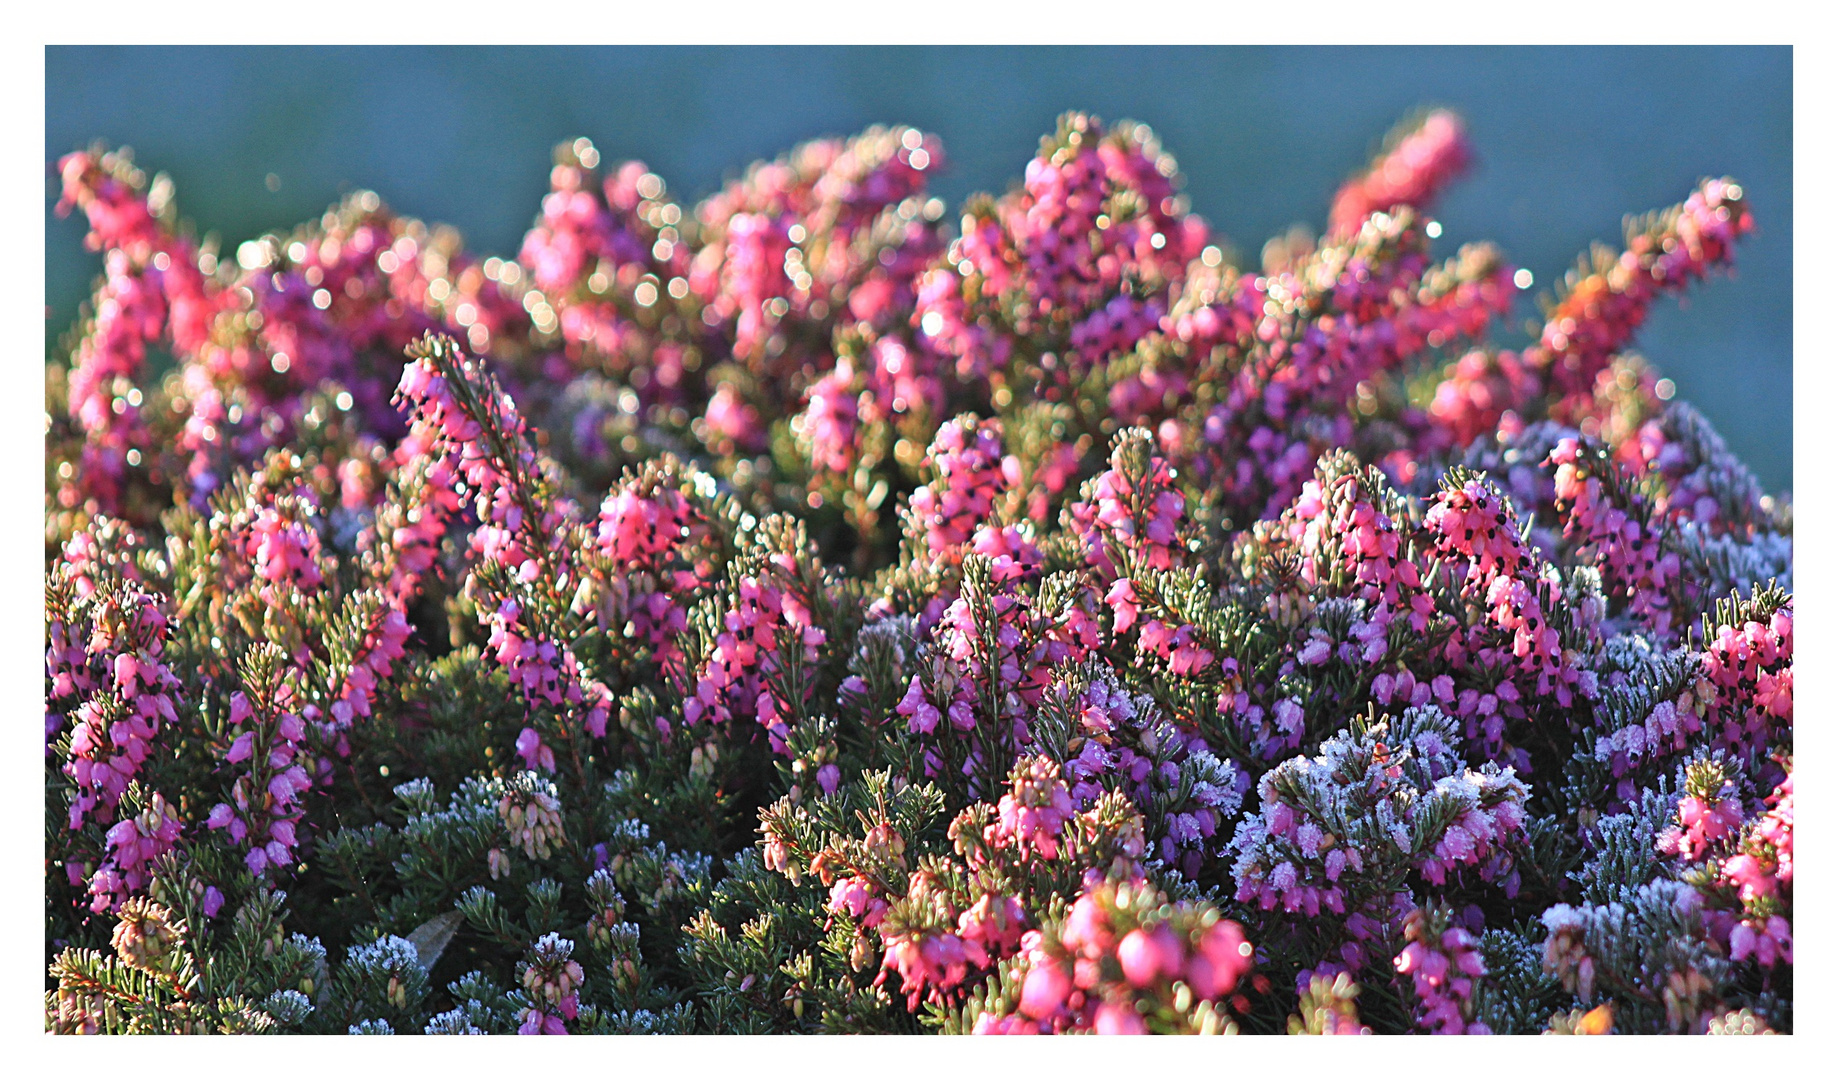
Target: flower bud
{"x": 147, "y": 936}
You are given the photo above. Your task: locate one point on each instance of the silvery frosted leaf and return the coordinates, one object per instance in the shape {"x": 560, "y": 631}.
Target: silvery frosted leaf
{"x": 430, "y": 938}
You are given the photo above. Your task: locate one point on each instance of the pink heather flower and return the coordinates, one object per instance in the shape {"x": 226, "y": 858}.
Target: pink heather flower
{"x": 1411, "y": 172}
{"x": 1011, "y": 554}
{"x": 1776, "y": 829}
{"x": 946, "y": 327}
{"x": 66, "y": 666}
{"x": 901, "y": 382}
{"x": 921, "y": 716}
{"x": 930, "y": 966}
{"x": 1036, "y": 808}
{"x": 1599, "y": 313}
{"x": 982, "y": 634}
{"x": 1761, "y": 873}
{"x": 1051, "y": 246}
{"x": 1175, "y": 644}
{"x": 1615, "y": 538}
{"x": 1150, "y": 957}
{"x": 153, "y": 293}
{"x": 283, "y": 551}
{"x": 831, "y": 419}
{"x": 1124, "y": 604}
{"x": 1302, "y": 343}
{"x": 354, "y": 687}
{"x": 1071, "y": 971}
{"x": 637, "y": 529}
{"x": 552, "y": 979}
{"x": 534, "y": 753}
{"x": 113, "y": 732}
{"x": 731, "y": 683}
{"x": 1766, "y": 940}
{"x": 1482, "y": 394}
{"x": 522, "y": 527}
{"x": 407, "y": 535}
{"x": 1132, "y": 506}
{"x": 1456, "y": 303}
{"x": 734, "y": 424}
{"x": 133, "y": 843}
{"x": 754, "y": 274}
{"x": 117, "y": 211}
{"x": 1114, "y": 328}
{"x": 1044, "y": 991}
{"x": 1223, "y": 959}
{"x": 648, "y": 529}
{"x": 972, "y": 473}
{"x": 1705, "y": 483}
{"x": 991, "y": 929}
{"x": 822, "y": 286}
{"x": 1087, "y": 927}
{"x": 1116, "y": 1018}
{"x": 1750, "y": 875}
{"x": 1739, "y": 708}
{"x": 1342, "y": 533}
{"x": 1476, "y": 531}
{"x": 266, "y": 802}
{"x": 580, "y": 228}
{"x": 1465, "y": 817}
{"x": 537, "y": 1022}
{"x": 856, "y": 897}
{"x": 1704, "y": 823}
{"x": 130, "y": 314}
{"x": 1442, "y": 969}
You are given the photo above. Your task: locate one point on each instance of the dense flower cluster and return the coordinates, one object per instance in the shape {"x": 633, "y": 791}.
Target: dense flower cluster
{"x": 266, "y": 803}
{"x": 1575, "y": 372}
{"x": 1408, "y": 173}
{"x": 765, "y": 628}
{"x": 972, "y": 473}
{"x": 1392, "y": 799}
{"x": 810, "y": 610}
{"x": 121, "y": 664}
{"x": 1123, "y": 962}
{"x": 1443, "y": 967}
{"x": 1751, "y": 880}
{"x": 552, "y": 981}
{"x": 1629, "y": 553}
{"x": 1112, "y": 740}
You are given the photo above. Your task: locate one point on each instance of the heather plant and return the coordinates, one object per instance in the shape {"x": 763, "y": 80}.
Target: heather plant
{"x": 809, "y": 611}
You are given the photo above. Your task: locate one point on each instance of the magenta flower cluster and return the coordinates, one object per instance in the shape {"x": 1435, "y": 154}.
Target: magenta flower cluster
{"x": 1443, "y": 967}
{"x": 1092, "y": 971}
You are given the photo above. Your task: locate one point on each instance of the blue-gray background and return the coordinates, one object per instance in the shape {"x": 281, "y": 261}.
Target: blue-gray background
{"x": 1569, "y": 139}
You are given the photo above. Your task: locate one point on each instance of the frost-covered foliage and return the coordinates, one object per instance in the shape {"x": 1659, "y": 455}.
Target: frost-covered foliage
{"x": 808, "y": 610}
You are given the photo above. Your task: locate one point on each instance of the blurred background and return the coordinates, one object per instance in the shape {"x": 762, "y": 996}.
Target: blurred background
{"x": 1569, "y": 139}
